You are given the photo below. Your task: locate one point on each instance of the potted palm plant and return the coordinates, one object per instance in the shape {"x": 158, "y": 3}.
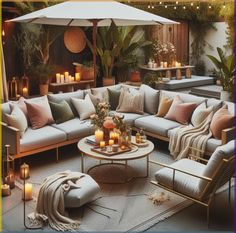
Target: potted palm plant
{"x": 226, "y": 71}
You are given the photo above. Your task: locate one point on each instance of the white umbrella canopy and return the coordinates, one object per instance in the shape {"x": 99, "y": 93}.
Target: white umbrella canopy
{"x": 92, "y": 13}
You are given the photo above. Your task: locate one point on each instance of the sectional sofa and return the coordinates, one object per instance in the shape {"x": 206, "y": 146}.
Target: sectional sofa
{"x": 55, "y": 136}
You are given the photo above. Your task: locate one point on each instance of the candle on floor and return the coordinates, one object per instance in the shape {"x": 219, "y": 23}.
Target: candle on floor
{"x": 10, "y": 179}
{"x": 58, "y": 78}
{"x": 24, "y": 171}
{"x": 111, "y": 142}
{"x": 28, "y": 192}
{"x": 77, "y": 77}
{"x": 102, "y": 144}
{"x": 6, "y": 191}
{"x": 99, "y": 134}
{"x": 25, "y": 91}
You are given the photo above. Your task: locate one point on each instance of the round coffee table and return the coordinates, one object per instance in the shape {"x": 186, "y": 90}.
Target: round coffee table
{"x": 135, "y": 153}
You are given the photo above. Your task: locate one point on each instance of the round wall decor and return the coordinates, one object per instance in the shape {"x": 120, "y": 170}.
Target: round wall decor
{"x": 75, "y": 39}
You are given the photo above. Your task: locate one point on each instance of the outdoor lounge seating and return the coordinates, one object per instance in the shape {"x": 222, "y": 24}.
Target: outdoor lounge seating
{"x": 196, "y": 181}
{"x": 57, "y": 135}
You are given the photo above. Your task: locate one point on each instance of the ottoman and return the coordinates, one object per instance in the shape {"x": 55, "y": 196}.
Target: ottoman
{"x": 86, "y": 193}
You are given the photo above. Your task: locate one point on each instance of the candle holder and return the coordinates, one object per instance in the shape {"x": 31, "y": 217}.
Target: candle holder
{"x": 25, "y": 85}
{"x": 8, "y": 168}
{"x": 24, "y": 176}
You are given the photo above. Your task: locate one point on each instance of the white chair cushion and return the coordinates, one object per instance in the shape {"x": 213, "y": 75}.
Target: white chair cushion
{"x": 185, "y": 184}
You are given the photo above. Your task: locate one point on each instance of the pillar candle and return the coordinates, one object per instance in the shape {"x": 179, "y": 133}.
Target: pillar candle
{"x": 111, "y": 142}
{"x": 10, "y": 179}
{"x": 28, "y": 192}
{"x": 6, "y": 191}
{"x": 165, "y": 64}
{"x": 25, "y": 91}
{"x": 161, "y": 64}
{"x": 72, "y": 79}
{"x": 99, "y": 134}
{"x": 58, "y": 78}
{"x": 102, "y": 144}
{"x": 62, "y": 78}
{"x": 77, "y": 77}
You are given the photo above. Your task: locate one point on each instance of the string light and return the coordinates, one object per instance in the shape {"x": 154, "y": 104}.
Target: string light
{"x": 166, "y": 6}
{"x": 224, "y": 5}
{"x": 191, "y": 4}
{"x": 149, "y": 6}
{"x": 152, "y": 7}
{"x": 175, "y": 7}
{"x": 197, "y": 7}
{"x": 160, "y": 3}
{"x": 3, "y": 33}
{"x": 177, "y": 2}
{"x": 209, "y": 6}
{"x": 184, "y": 7}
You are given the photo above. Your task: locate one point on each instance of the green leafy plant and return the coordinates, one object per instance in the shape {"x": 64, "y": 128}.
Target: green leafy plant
{"x": 226, "y": 69}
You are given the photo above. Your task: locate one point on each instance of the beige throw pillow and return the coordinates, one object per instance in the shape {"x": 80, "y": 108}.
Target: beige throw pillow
{"x": 132, "y": 103}
{"x": 17, "y": 119}
{"x": 84, "y": 107}
{"x": 200, "y": 114}
{"x": 164, "y": 106}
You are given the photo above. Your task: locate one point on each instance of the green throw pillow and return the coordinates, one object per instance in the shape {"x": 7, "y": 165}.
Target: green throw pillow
{"x": 61, "y": 111}
{"x": 113, "y": 96}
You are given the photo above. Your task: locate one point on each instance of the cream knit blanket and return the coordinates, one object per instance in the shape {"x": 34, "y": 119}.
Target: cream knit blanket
{"x": 50, "y": 203}
{"x": 189, "y": 136}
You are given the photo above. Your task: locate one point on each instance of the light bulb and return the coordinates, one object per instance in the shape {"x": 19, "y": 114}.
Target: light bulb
{"x": 166, "y": 6}
{"x": 177, "y": 2}
{"x": 152, "y": 7}
{"x": 160, "y": 3}
{"x": 197, "y": 7}
{"x": 184, "y": 7}
{"x": 191, "y": 3}
{"x": 149, "y": 6}
{"x": 175, "y": 7}
{"x": 209, "y": 6}
{"x": 3, "y": 33}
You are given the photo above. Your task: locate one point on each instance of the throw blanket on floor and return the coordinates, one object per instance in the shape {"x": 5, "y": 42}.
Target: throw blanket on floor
{"x": 50, "y": 204}
{"x": 189, "y": 136}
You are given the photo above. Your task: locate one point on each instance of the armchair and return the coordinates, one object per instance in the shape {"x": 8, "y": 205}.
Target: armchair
{"x": 195, "y": 180}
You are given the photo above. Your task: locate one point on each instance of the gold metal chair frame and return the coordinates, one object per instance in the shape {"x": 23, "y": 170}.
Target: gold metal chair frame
{"x": 205, "y": 201}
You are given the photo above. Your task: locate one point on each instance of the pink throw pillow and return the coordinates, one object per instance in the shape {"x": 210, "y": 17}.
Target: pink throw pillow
{"x": 221, "y": 120}
{"x": 39, "y": 114}
{"x": 180, "y": 111}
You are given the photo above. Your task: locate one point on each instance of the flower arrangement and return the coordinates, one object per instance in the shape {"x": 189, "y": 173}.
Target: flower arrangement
{"x": 106, "y": 120}
{"x": 164, "y": 51}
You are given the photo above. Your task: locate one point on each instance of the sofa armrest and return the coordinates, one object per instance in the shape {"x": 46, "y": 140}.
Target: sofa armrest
{"x": 227, "y": 135}
{"x": 10, "y": 136}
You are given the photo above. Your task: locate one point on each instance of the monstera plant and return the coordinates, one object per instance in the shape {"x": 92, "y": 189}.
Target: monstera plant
{"x": 226, "y": 71}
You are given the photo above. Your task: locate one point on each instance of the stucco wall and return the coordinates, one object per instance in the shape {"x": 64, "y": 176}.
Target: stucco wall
{"x": 216, "y": 38}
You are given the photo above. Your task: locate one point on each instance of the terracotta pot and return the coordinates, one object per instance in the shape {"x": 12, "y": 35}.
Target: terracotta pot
{"x": 43, "y": 89}
{"x": 78, "y": 69}
{"x": 135, "y": 76}
{"x": 108, "y": 81}
{"x": 87, "y": 73}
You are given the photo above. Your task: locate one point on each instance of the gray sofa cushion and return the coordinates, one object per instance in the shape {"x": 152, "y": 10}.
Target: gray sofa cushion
{"x": 186, "y": 184}
{"x": 57, "y": 98}
{"x": 86, "y": 193}
{"x": 36, "y": 138}
{"x": 212, "y": 144}
{"x": 151, "y": 99}
{"x": 156, "y": 125}
{"x": 187, "y": 98}
{"x": 129, "y": 118}
{"x": 75, "y": 128}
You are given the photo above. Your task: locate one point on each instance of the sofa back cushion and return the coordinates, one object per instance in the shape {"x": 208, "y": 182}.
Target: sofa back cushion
{"x": 151, "y": 99}
{"x": 5, "y": 107}
{"x": 217, "y": 104}
{"x": 180, "y": 111}
{"x": 186, "y": 98}
{"x": 57, "y": 98}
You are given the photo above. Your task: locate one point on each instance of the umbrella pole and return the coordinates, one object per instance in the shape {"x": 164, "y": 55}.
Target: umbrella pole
{"x": 94, "y": 51}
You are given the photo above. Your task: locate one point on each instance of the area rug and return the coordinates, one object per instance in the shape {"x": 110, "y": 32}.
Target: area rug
{"x": 119, "y": 207}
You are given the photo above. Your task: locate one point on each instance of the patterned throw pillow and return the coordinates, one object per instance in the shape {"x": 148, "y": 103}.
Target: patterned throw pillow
{"x": 61, "y": 111}
{"x": 17, "y": 119}
{"x": 132, "y": 103}
{"x": 180, "y": 111}
{"x": 84, "y": 107}
{"x": 221, "y": 120}
{"x": 200, "y": 114}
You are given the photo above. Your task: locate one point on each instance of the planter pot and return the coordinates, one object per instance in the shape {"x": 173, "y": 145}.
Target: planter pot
{"x": 135, "y": 76}
{"x": 225, "y": 96}
{"x": 108, "y": 81}
{"x": 43, "y": 89}
{"x": 87, "y": 73}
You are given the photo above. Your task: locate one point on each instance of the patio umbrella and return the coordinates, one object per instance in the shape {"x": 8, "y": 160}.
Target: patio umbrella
{"x": 92, "y": 13}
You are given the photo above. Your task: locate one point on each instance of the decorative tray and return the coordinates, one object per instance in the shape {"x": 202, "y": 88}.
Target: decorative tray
{"x": 105, "y": 152}
{"x": 142, "y": 144}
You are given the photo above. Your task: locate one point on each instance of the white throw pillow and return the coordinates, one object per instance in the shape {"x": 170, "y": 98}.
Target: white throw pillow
{"x": 131, "y": 102}
{"x": 17, "y": 119}
{"x": 84, "y": 107}
{"x": 200, "y": 114}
